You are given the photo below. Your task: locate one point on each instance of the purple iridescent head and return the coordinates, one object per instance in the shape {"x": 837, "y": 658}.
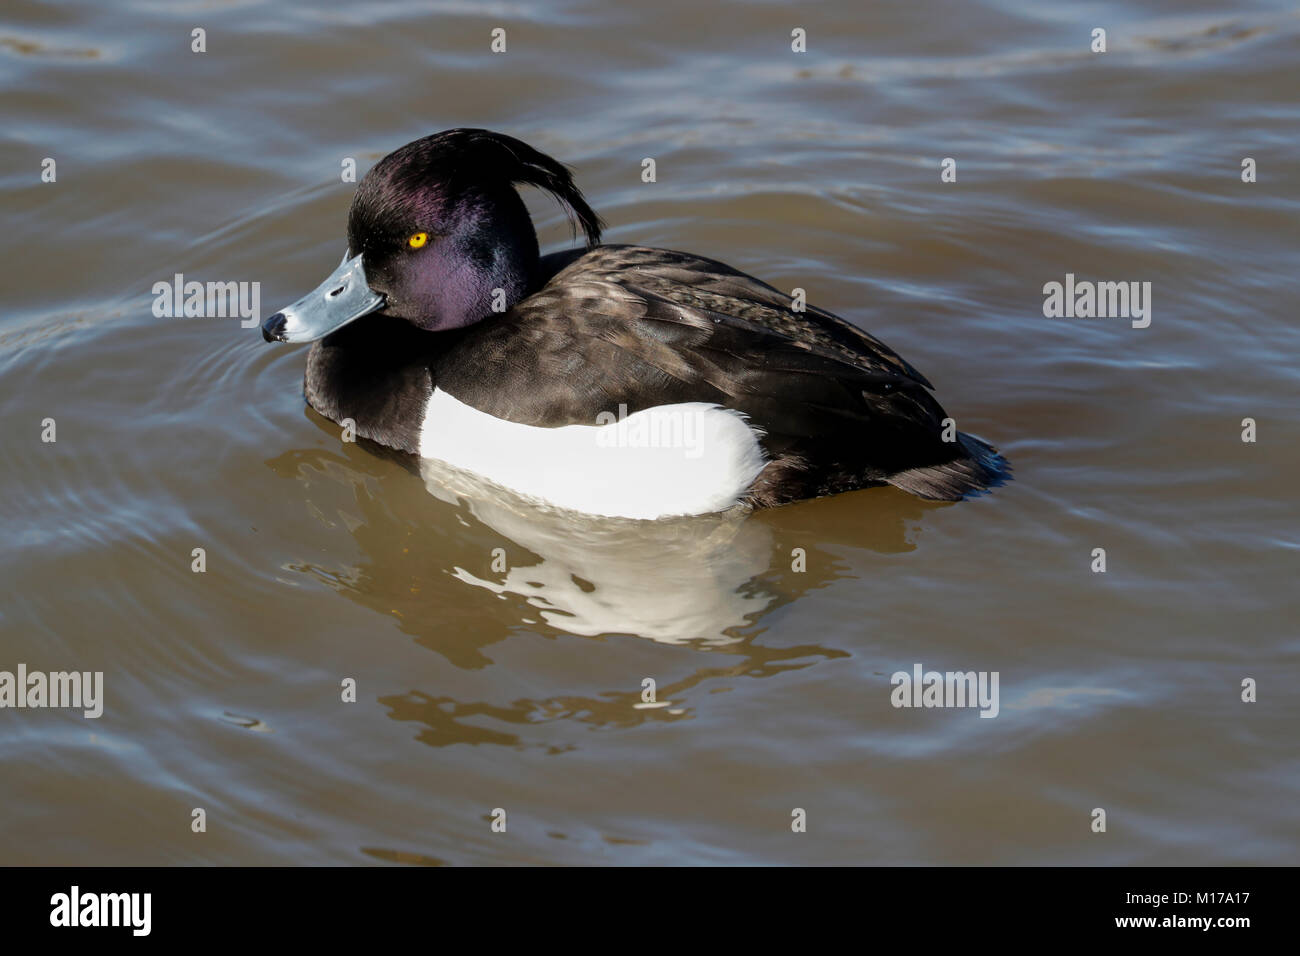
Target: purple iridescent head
{"x": 438, "y": 236}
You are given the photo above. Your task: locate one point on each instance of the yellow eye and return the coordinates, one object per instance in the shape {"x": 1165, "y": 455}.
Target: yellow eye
{"x": 418, "y": 240}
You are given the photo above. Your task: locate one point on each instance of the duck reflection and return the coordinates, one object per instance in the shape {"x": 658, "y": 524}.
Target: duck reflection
{"x": 672, "y": 581}
{"x": 460, "y": 564}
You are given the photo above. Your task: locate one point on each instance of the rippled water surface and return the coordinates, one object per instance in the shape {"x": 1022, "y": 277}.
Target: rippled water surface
{"x": 517, "y": 684}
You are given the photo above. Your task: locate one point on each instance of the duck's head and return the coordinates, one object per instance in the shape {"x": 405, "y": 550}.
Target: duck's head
{"x": 438, "y": 236}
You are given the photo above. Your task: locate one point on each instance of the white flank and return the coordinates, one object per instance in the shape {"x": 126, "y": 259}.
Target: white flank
{"x": 685, "y": 459}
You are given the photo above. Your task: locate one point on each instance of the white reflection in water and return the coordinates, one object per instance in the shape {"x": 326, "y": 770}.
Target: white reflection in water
{"x": 672, "y": 580}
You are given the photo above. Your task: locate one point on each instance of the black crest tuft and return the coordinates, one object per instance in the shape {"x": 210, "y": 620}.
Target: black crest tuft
{"x": 517, "y": 162}
{"x": 471, "y": 157}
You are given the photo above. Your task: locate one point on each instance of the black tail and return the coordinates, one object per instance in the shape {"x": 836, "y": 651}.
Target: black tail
{"x": 981, "y": 468}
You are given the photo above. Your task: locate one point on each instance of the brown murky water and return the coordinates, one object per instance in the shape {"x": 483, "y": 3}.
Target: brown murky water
{"x": 483, "y": 685}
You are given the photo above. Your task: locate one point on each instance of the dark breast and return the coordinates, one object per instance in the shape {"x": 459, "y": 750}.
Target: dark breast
{"x": 376, "y": 372}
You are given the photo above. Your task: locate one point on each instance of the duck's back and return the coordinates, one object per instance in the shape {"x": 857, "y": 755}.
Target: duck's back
{"x": 623, "y": 329}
